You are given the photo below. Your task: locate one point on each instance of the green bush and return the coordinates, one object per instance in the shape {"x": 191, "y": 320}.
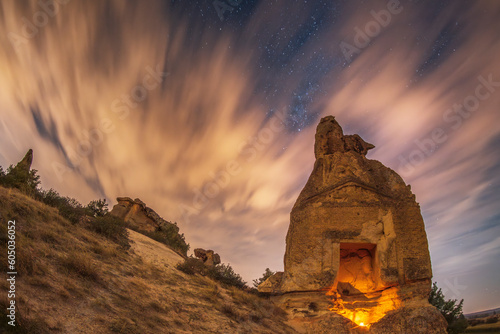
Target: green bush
{"x": 17, "y": 178}
{"x": 111, "y": 227}
{"x": 68, "y": 207}
{"x": 267, "y": 273}
{"x": 168, "y": 234}
{"x": 451, "y": 311}
{"x": 100, "y": 220}
{"x": 223, "y": 273}
{"x": 97, "y": 208}
{"x": 50, "y": 197}
{"x": 192, "y": 266}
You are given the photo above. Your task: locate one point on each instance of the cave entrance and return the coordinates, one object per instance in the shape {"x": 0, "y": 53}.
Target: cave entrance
{"x": 357, "y": 269}
{"x": 357, "y": 295}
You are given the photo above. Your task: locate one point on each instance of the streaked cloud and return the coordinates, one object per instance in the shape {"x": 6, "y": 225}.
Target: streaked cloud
{"x": 213, "y": 124}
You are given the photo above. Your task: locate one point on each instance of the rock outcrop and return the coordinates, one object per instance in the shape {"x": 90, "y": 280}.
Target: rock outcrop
{"x": 142, "y": 218}
{"x": 356, "y": 246}
{"x": 209, "y": 257}
{"x": 137, "y": 214}
{"x": 24, "y": 165}
{"x": 21, "y": 171}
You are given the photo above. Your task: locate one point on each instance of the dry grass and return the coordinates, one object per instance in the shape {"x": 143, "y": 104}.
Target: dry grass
{"x": 81, "y": 264}
{"x": 72, "y": 279}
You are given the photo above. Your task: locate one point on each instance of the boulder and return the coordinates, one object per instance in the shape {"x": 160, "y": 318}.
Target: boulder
{"x": 209, "y": 257}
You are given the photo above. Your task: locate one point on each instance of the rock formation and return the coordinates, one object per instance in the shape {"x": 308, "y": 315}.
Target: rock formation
{"x": 21, "y": 176}
{"x": 209, "y": 257}
{"x": 137, "y": 214}
{"x": 24, "y": 165}
{"x": 21, "y": 171}
{"x": 142, "y": 218}
{"x": 356, "y": 250}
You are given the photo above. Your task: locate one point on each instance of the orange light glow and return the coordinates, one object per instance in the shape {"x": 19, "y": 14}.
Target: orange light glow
{"x": 367, "y": 309}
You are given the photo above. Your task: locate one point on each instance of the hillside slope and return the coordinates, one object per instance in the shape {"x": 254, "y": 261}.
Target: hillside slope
{"x": 73, "y": 280}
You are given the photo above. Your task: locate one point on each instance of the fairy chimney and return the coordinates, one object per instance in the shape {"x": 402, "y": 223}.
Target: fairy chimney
{"x": 356, "y": 255}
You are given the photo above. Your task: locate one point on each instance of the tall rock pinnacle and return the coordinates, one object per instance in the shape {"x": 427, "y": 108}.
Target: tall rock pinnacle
{"x": 356, "y": 248}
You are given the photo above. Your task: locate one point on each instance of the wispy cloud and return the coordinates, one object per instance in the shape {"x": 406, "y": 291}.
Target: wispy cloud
{"x": 227, "y": 82}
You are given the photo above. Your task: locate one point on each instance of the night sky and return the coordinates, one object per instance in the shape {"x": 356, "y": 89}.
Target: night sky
{"x": 207, "y": 110}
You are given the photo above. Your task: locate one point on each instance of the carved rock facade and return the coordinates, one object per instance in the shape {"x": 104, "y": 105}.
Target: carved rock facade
{"x": 356, "y": 249}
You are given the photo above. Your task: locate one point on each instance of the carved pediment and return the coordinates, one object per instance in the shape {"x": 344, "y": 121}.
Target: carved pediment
{"x": 349, "y": 192}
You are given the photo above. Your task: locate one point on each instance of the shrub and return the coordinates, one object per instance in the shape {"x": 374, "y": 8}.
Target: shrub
{"x": 97, "y": 208}
{"x": 102, "y": 222}
{"x": 168, "y": 234}
{"x": 451, "y": 311}
{"x": 18, "y": 178}
{"x": 111, "y": 227}
{"x": 192, "y": 266}
{"x": 72, "y": 213}
{"x": 224, "y": 273}
{"x": 68, "y": 207}
{"x": 50, "y": 197}
{"x": 267, "y": 273}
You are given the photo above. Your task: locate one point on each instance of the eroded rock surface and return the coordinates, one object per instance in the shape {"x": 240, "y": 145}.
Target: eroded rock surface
{"x": 136, "y": 213}
{"x": 356, "y": 244}
{"x": 209, "y": 257}
{"x": 25, "y": 164}
{"x": 144, "y": 219}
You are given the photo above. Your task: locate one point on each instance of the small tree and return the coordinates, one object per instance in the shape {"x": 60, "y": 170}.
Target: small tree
{"x": 451, "y": 311}
{"x": 27, "y": 182}
{"x": 268, "y": 273}
{"x": 97, "y": 208}
{"x": 111, "y": 227}
{"x": 225, "y": 273}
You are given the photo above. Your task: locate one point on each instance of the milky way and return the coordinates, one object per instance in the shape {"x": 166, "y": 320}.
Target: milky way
{"x": 206, "y": 111}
